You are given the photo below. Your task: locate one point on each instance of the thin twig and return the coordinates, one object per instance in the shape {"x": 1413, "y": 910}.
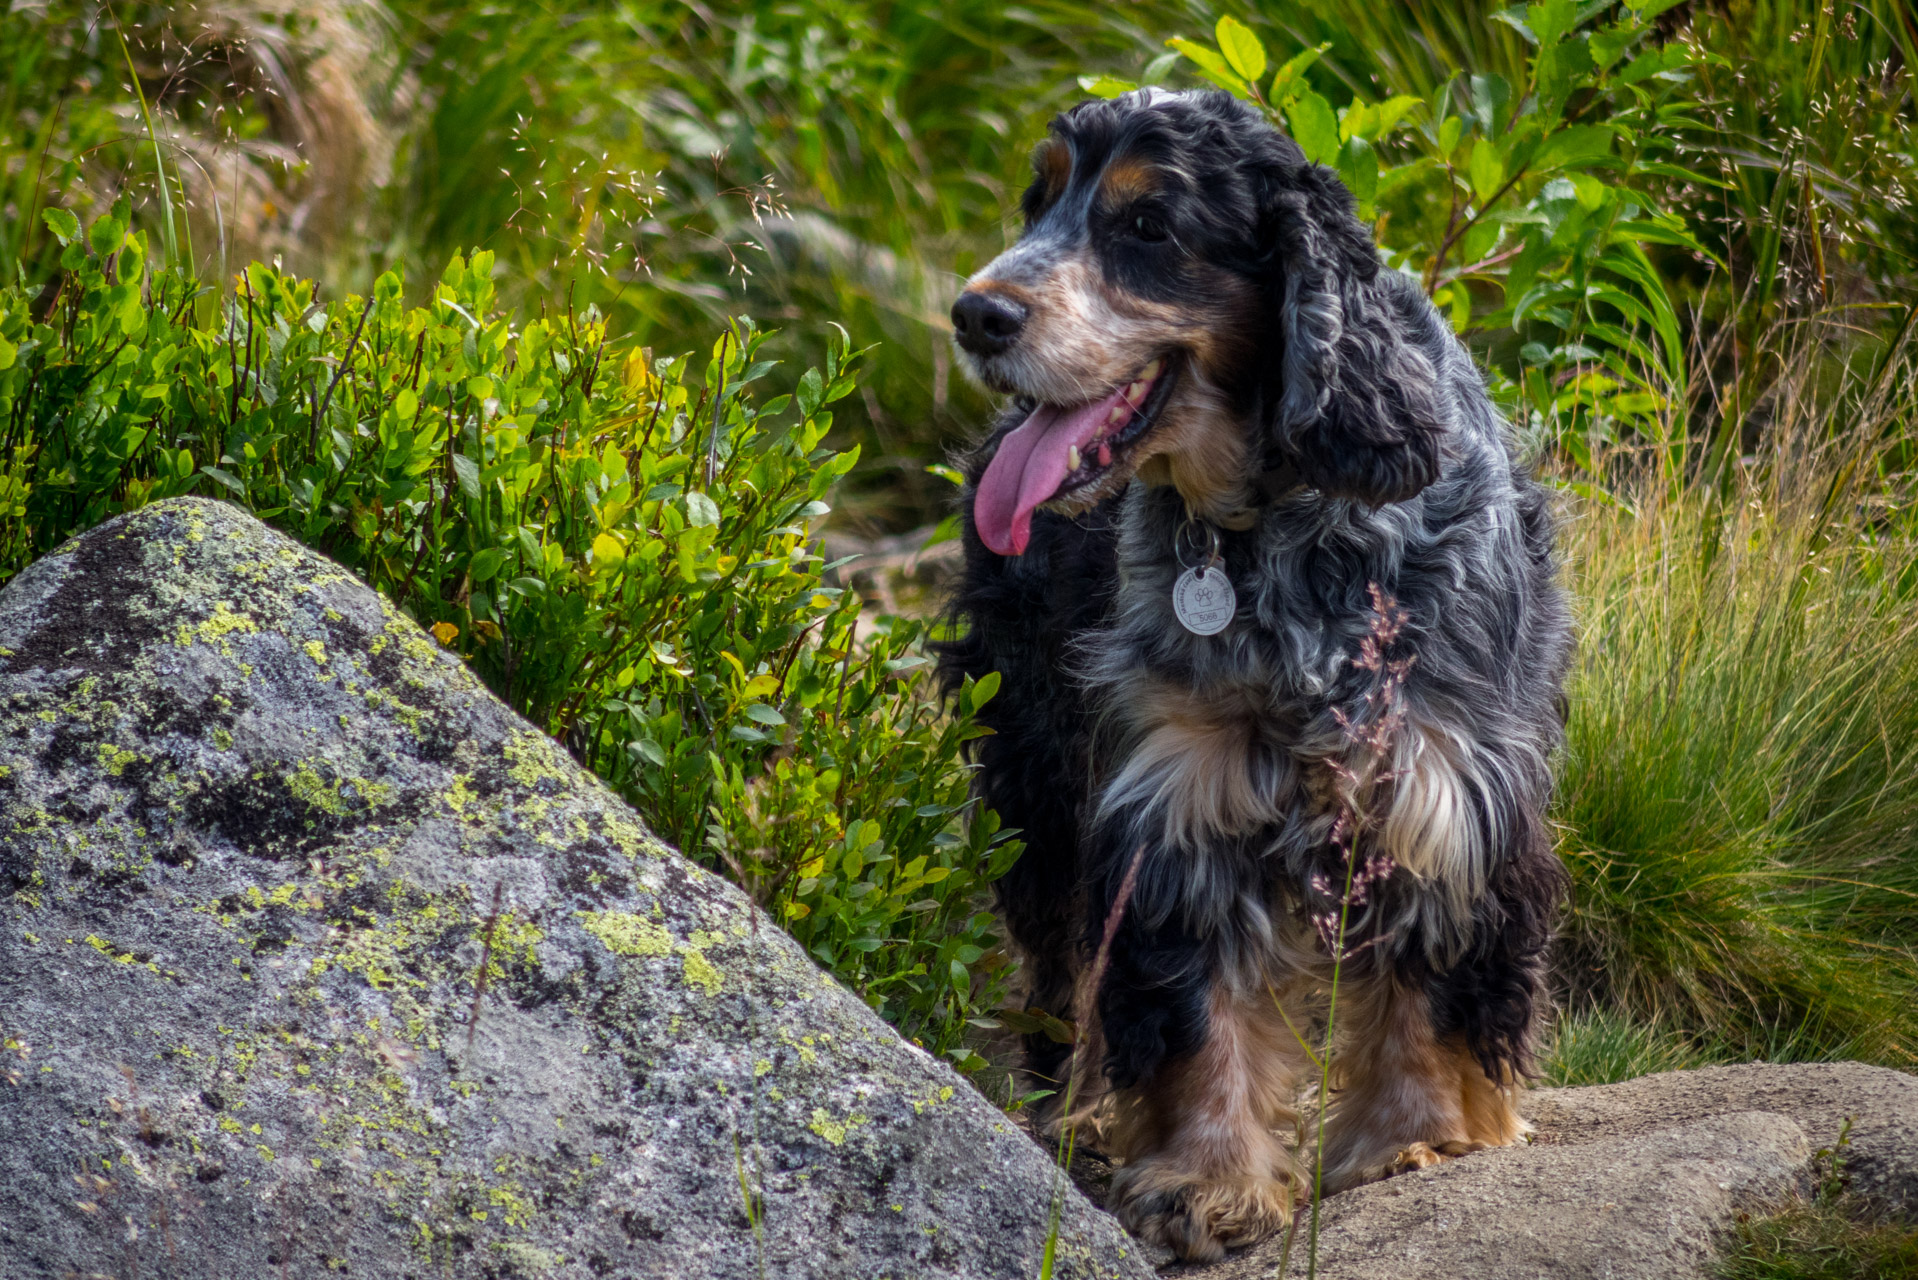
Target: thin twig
{"x": 346, "y": 363}
{"x": 485, "y": 972}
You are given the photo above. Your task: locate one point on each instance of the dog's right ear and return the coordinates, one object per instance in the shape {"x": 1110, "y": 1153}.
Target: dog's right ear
{"x": 1356, "y": 406}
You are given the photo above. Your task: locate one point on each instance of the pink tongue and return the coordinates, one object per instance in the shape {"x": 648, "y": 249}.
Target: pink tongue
{"x": 1029, "y": 468}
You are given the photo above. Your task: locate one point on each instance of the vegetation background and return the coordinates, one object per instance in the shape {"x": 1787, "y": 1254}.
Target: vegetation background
{"x": 1681, "y": 237}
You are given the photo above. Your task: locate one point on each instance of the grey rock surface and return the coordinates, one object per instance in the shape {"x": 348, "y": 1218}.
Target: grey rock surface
{"x": 1880, "y": 1156}
{"x": 1644, "y": 1208}
{"x": 253, "y": 829}
{"x": 1632, "y": 1181}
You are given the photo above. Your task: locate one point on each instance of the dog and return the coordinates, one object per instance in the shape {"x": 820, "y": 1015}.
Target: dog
{"x": 1282, "y": 646}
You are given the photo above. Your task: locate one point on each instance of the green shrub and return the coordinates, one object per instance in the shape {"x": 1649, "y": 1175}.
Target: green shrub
{"x": 1524, "y": 204}
{"x": 617, "y": 543}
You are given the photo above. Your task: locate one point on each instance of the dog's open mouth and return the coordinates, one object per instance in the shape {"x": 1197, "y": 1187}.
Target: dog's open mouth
{"x": 1059, "y": 449}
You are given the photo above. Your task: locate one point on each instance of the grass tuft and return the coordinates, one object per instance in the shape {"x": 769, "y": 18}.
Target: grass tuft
{"x": 1602, "y": 1046}
{"x": 1821, "y": 1240}
{"x": 1739, "y": 796}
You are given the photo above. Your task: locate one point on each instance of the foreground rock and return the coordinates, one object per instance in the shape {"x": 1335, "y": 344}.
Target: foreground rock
{"x": 255, "y": 831}
{"x": 1633, "y": 1181}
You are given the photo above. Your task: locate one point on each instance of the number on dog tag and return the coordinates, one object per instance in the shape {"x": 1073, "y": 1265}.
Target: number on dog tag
{"x": 1204, "y": 600}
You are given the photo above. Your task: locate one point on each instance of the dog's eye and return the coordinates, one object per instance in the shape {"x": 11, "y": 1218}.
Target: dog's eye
{"x": 1148, "y": 228}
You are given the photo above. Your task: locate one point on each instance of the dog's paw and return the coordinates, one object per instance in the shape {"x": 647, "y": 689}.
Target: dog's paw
{"x": 1196, "y": 1216}
{"x": 1422, "y": 1155}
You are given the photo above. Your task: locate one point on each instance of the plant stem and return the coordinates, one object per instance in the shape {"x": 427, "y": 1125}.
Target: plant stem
{"x": 1325, "y": 1061}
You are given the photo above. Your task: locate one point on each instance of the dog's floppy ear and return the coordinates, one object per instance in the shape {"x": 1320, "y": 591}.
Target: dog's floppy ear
{"x": 1356, "y": 402}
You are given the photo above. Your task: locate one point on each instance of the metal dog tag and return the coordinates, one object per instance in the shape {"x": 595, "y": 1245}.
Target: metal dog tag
{"x": 1204, "y": 600}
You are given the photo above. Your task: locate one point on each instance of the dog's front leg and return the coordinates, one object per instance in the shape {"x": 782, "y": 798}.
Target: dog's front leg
{"x": 1202, "y": 1117}
{"x": 1407, "y": 1096}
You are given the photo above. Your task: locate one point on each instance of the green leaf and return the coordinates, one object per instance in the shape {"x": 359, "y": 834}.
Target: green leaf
{"x": 106, "y": 235}
{"x": 1515, "y": 19}
{"x": 1579, "y": 144}
{"x": 1663, "y": 233}
{"x": 406, "y": 404}
{"x": 1486, "y": 169}
{"x": 1314, "y": 127}
{"x": 1210, "y": 64}
{"x": 65, "y": 227}
{"x": 466, "y": 472}
{"x": 1106, "y": 86}
{"x": 1241, "y": 48}
{"x": 1490, "y": 93}
{"x": 1651, "y": 8}
{"x": 981, "y": 691}
{"x": 1655, "y": 62}
{"x": 760, "y": 713}
{"x": 8, "y": 353}
{"x": 1286, "y": 81}
{"x": 1550, "y": 21}
{"x": 486, "y": 562}
{"x": 701, "y": 511}
{"x": 1391, "y": 111}
{"x": 1607, "y": 45}
{"x": 226, "y": 478}
{"x": 810, "y": 393}
{"x": 1359, "y": 166}
{"x": 608, "y": 552}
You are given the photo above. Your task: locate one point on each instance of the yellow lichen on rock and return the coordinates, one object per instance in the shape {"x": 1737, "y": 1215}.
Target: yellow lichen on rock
{"x": 625, "y": 934}
{"x": 700, "y": 971}
{"x": 835, "y": 1131}
{"x": 216, "y": 629}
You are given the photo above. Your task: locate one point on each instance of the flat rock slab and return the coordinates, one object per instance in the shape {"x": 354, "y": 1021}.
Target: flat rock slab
{"x": 1633, "y": 1181}
{"x": 1880, "y": 1154}
{"x": 257, "y": 833}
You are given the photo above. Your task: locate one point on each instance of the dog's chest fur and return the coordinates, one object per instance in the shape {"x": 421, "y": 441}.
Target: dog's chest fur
{"x": 1230, "y": 755}
{"x": 1223, "y": 727}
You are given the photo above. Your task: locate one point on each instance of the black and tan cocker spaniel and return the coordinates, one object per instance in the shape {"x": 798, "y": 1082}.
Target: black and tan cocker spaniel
{"x": 1281, "y": 639}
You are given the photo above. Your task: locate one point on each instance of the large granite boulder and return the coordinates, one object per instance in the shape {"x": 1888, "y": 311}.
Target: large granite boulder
{"x": 315, "y": 960}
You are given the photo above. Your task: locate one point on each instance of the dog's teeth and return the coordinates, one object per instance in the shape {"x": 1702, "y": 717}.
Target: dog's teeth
{"x": 1135, "y": 392}
{"x": 1151, "y": 371}
{"x": 1120, "y": 412}
{"x": 1072, "y": 458}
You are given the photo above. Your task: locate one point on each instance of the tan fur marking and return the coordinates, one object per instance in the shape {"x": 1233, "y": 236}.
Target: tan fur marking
{"x": 1491, "y": 1110}
{"x": 1125, "y": 180}
{"x": 1193, "y": 763}
{"x": 1206, "y": 1161}
{"x": 1405, "y": 1099}
{"x": 1203, "y": 456}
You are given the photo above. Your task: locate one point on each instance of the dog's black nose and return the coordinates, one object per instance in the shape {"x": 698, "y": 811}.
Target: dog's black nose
{"x": 986, "y": 323}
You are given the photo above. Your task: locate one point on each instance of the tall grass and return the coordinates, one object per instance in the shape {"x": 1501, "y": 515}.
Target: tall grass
{"x": 1739, "y": 797}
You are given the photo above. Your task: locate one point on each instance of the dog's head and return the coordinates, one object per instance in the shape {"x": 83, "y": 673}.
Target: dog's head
{"x": 1191, "y": 302}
